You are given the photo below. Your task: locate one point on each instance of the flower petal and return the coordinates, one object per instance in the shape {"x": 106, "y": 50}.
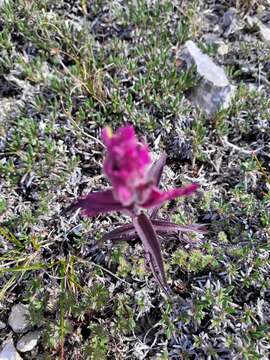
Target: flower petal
{"x": 158, "y": 197}
{"x": 98, "y": 203}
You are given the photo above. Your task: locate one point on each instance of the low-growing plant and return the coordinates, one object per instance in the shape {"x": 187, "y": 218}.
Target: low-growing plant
{"x": 98, "y": 345}
{"x": 135, "y": 189}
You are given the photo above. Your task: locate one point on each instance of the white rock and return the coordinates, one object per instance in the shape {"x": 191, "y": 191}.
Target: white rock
{"x": 28, "y": 341}
{"x": 260, "y": 9}
{"x": 223, "y": 49}
{"x": 9, "y": 352}
{"x": 2, "y": 325}
{"x": 214, "y": 91}
{"x": 18, "y": 318}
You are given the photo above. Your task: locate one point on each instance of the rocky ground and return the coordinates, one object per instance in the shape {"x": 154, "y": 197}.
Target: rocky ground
{"x": 193, "y": 78}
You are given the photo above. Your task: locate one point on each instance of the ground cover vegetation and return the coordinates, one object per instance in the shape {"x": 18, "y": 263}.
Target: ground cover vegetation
{"x": 67, "y": 70}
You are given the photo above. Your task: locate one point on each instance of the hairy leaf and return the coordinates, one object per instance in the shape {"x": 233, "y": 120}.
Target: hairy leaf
{"x": 148, "y": 236}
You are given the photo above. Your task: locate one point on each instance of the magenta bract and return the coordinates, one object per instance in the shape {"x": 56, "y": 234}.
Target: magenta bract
{"x": 126, "y": 162}
{"x": 157, "y": 197}
{"x": 97, "y": 203}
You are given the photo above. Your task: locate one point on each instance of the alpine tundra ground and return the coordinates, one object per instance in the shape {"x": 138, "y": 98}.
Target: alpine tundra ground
{"x": 69, "y": 68}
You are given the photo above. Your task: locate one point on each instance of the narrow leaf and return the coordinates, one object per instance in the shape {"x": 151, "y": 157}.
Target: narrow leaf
{"x": 162, "y": 226}
{"x": 148, "y": 236}
{"x": 157, "y": 276}
{"x": 125, "y": 232}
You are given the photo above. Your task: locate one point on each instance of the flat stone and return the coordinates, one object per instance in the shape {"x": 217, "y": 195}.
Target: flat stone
{"x": 9, "y": 351}
{"x": 18, "y": 318}
{"x": 2, "y": 325}
{"x": 28, "y": 341}
{"x": 213, "y": 91}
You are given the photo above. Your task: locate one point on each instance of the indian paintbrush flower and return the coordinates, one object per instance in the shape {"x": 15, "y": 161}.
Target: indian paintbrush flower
{"x": 134, "y": 188}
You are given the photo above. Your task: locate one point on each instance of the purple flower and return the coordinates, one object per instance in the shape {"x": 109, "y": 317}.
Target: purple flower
{"x": 135, "y": 187}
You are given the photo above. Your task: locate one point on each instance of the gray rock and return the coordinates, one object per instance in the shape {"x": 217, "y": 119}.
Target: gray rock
{"x": 2, "y": 325}
{"x": 264, "y": 32}
{"x": 18, "y": 318}
{"x": 28, "y": 341}
{"x": 9, "y": 352}
{"x": 254, "y": 23}
{"x": 231, "y": 24}
{"x": 214, "y": 91}
{"x": 228, "y": 18}
{"x": 210, "y": 38}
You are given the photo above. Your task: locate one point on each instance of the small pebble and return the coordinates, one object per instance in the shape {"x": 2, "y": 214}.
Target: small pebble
{"x": 223, "y": 49}
{"x": 28, "y": 341}
{"x": 18, "y": 318}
